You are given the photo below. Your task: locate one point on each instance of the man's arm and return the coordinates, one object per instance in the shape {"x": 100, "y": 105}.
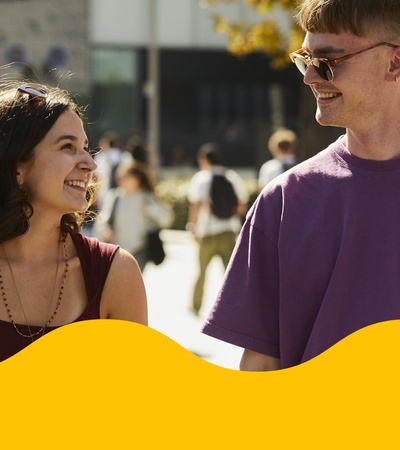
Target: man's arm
{"x": 242, "y": 209}
{"x": 257, "y": 362}
{"x": 193, "y": 212}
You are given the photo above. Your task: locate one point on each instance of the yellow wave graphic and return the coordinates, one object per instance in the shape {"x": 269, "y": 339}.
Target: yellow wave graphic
{"x": 116, "y": 385}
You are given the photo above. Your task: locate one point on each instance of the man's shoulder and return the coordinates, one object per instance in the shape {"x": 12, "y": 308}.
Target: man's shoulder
{"x": 200, "y": 177}
{"x": 203, "y": 173}
{"x": 318, "y": 167}
{"x": 320, "y": 161}
{"x": 232, "y": 175}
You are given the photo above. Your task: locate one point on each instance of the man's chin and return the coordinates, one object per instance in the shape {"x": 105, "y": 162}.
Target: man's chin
{"x": 326, "y": 121}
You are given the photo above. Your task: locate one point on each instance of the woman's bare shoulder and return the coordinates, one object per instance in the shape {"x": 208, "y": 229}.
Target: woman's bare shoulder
{"x": 124, "y": 295}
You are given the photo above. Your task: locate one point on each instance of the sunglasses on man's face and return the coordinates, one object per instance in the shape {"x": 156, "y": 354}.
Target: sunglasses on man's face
{"x": 30, "y": 91}
{"x": 324, "y": 66}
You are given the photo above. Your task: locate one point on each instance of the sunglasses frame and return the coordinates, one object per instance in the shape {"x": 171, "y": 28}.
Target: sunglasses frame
{"x": 30, "y": 91}
{"x": 21, "y": 90}
{"x": 307, "y": 60}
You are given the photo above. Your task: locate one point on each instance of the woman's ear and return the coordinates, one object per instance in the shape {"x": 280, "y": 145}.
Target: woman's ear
{"x": 20, "y": 177}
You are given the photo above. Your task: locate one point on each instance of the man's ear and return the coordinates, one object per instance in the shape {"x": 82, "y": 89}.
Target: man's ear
{"x": 394, "y": 68}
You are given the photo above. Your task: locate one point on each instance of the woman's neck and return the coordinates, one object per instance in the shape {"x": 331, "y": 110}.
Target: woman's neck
{"x": 34, "y": 246}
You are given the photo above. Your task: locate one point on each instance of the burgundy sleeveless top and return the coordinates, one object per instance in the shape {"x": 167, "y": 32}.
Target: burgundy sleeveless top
{"x": 96, "y": 258}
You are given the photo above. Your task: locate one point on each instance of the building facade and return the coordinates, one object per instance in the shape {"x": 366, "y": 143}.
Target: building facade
{"x": 155, "y": 69}
{"x": 46, "y": 40}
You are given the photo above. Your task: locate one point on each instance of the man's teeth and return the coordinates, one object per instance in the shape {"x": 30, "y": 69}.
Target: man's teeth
{"x": 75, "y": 183}
{"x": 328, "y": 95}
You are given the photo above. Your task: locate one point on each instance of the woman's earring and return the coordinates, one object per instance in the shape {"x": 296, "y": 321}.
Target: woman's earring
{"x": 18, "y": 181}
{"x": 20, "y": 184}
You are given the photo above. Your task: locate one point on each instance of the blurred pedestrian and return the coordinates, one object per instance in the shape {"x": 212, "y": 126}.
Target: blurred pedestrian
{"x": 107, "y": 160}
{"x": 282, "y": 145}
{"x": 216, "y": 235}
{"x": 137, "y": 149}
{"x": 132, "y": 210}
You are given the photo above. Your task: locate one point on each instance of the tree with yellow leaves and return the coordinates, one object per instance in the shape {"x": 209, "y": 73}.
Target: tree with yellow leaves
{"x": 266, "y": 35}
{"x": 275, "y": 38}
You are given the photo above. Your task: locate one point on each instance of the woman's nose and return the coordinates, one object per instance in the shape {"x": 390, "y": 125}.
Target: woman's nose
{"x": 87, "y": 162}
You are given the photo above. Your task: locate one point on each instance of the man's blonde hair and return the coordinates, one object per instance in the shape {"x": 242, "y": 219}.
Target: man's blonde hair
{"x": 358, "y": 17}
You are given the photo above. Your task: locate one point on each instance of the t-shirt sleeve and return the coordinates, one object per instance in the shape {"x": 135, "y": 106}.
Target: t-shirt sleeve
{"x": 246, "y": 312}
{"x": 194, "y": 193}
{"x": 199, "y": 186}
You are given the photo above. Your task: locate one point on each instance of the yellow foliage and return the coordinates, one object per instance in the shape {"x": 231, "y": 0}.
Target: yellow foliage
{"x": 265, "y": 36}
{"x": 262, "y": 6}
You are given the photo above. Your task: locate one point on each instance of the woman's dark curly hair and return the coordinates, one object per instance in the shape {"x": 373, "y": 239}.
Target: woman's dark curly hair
{"x": 24, "y": 122}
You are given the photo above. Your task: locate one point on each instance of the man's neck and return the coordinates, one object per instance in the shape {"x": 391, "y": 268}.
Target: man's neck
{"x": 373, "y": 146}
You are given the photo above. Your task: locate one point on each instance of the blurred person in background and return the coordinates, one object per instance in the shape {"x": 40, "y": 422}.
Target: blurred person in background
{"x": 215, "y": 235}
{"x": 107, "y": 160}
{"x": 131, "y": 210}
{"x": 282, "y": 145}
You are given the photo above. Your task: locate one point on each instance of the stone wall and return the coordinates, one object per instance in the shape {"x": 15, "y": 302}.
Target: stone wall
{"x": 46, "y": 40}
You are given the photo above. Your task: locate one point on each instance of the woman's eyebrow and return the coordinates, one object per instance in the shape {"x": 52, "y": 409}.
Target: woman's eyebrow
{"x": 67, "y": 137}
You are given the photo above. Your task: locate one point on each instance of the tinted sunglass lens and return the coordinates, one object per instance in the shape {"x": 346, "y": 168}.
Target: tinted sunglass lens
{"x": 301, "y": 65}
{"x": 323, "y": 70}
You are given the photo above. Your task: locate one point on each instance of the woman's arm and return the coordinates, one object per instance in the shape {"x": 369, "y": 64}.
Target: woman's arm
{"x": 124, "y": 295}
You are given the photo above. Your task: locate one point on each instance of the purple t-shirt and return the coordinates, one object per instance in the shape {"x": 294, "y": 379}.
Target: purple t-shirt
{"x": 317, "y": 258}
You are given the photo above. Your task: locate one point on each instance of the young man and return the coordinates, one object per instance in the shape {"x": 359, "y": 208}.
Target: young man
{"x": 319, "y": 255}
{"x": 216, "y": 235}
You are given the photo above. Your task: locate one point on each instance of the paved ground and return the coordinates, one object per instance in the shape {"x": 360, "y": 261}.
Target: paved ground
{"x": 169, "y": 288}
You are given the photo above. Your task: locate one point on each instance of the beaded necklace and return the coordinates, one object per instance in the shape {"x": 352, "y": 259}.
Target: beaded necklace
{"x": 60, "y": 294}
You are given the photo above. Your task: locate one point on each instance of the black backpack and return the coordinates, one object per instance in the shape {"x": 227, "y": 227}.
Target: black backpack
{"x": 224, "y": 201}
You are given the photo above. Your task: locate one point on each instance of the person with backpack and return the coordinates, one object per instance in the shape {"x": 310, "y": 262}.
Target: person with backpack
{"x": 218, "y": 199}
{"x": 282, "y": 145}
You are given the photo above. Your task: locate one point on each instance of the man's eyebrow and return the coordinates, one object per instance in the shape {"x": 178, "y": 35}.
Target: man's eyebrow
{"x": 67, "y": 137}
{"x": 324, "y": 50}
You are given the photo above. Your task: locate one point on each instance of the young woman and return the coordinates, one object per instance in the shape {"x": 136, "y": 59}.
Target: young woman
{"x": 50, "y": 274}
